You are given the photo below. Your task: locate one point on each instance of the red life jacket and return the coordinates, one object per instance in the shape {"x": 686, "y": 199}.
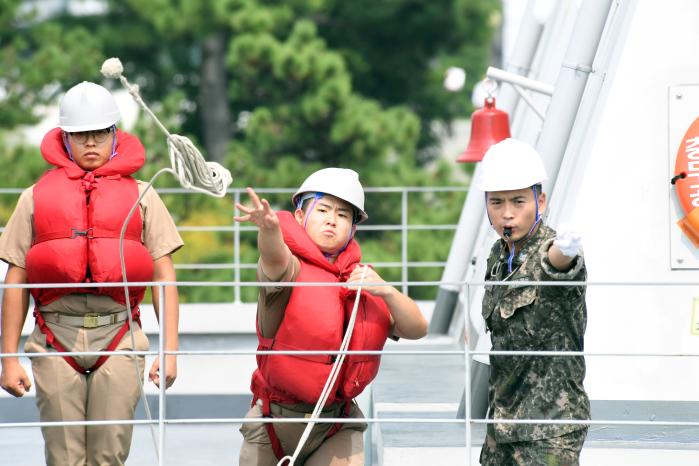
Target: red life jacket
{"x": 78, "y": 217}
{"x": 315, "y": 319}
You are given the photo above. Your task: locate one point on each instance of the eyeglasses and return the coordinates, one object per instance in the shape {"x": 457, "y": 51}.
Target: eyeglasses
{"x": 99, "y": 135}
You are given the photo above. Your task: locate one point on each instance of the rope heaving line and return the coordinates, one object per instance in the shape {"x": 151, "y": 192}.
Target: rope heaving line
{"x": 193, "y": 172}
{"x": 332, "y": 377}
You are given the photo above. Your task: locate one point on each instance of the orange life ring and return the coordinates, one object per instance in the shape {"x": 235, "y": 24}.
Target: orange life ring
{"x": 686, "y": 181}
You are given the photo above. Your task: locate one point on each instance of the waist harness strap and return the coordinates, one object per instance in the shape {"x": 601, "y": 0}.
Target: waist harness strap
{"x": 52, "y": 341}
{"x": 272, "y": 434}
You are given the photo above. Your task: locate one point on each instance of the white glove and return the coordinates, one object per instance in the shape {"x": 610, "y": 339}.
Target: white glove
{"x": 568, "y": 240}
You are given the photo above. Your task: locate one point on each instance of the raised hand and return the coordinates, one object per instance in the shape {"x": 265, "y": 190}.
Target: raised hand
{"x": 274, "y": 253}
{"x": 261, "y": 214}
{"x": 406, "y": 317}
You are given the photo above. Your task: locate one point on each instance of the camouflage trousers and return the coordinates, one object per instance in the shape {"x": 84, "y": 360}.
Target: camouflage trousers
{"x": 556, "y": 451}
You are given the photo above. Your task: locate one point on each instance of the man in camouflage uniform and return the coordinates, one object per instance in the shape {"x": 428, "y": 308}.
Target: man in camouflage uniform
{"x": 531, "y": 318}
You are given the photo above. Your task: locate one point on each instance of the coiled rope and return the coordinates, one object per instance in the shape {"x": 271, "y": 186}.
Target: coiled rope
{"x": 187, "y": 163}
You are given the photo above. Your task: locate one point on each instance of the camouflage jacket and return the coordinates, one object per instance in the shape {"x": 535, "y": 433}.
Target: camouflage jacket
{"x": 538, "y": 318}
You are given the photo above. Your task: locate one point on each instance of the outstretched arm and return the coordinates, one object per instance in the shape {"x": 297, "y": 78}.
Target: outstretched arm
{"x": 274, "y": 253}
{"x": 407, "y": 318}
{"x": 13, "y": 378}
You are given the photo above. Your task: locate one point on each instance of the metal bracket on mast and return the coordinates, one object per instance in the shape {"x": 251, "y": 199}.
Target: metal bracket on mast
{"x": 520, "y": 83}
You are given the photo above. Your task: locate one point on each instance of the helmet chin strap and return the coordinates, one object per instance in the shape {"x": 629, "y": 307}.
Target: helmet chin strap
{"x": 512, "y": 244}
{"x": 351, "y": 235}
{"x": 353, "y": 230}
{"x": 114, "y": 142}
{"x": 316, "y": 198}
{"x": 67, "y": 145}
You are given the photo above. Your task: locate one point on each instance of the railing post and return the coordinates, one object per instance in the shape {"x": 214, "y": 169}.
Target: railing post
{"x": 404, "y": 239}
{"x": 163, "y": 374}
{"x": 236, "y": 249}
{"x": 467, "y": 381}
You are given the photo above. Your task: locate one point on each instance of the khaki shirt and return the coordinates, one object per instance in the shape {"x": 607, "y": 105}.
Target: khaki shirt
{"x": 272, "y": 300}
{"x": 160, "y": 235}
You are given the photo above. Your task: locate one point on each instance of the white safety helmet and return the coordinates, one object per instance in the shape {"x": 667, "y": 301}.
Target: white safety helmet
{"x": 342, "y": 183}
{"x": 509, "y": 165}
{"x": 87, "y": 106}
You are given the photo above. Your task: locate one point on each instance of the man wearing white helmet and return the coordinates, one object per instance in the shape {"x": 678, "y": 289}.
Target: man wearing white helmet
{"x": 316, "y": 243}
{"x": 66, "y": 229}
{"x": 531, "y": 318}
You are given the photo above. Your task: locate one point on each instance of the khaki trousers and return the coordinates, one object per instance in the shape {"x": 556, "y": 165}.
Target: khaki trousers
{"x": 345, "y": 448}
{"x": 109, "y": 393}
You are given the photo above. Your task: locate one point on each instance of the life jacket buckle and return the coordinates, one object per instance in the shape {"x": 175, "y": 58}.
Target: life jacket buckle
{"x": 86, "y": 233}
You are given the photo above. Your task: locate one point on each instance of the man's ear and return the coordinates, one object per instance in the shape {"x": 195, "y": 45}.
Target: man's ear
{"x": 542, "y": 203}
{"x": 298, "y": 215}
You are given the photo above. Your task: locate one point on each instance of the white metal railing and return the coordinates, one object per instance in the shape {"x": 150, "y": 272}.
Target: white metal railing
{"x": 467, "y": 353}
{"x": 236, "y": 265}
{"x": 404, "y": 227}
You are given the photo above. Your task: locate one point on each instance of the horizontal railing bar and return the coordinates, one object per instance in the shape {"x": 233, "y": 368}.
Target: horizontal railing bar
{"x": 210, "y": 283}
{"x": 386, "y": 189}
{"x": 406, "y": 227}
{"x": 232, "y": 228}
{"x": 344, "y": 420}
{"x": 359, "y": 352}
{"x": 250, "y": 265}
{"x": 343, "y": 284}
{"x": 221, "y": 266}
{"x": 410, "y": 189}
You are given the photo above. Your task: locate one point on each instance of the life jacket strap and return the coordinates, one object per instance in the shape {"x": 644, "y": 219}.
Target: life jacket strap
{"x": 51, "y": 340}
{"x": 272, "y": 434}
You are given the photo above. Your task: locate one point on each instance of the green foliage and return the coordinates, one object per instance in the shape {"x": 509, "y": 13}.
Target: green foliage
{"x": 397, "y": 52}
{"x": 34, "y": 59}
{"x": 301, "y": 102}
{"x": 32, "y": 166}
{"x": 310, "y": 83}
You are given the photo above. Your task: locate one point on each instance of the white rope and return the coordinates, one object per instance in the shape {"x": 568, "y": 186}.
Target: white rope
{"x": 193, "y": 172}
{"x": 127, "y": 298}
{"x": 332, "y": 377}
{"x": 187, "y": 163}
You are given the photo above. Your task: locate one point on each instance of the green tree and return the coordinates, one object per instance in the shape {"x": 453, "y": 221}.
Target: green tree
{"x": 34, "y": 62}
{"x": 332, "y": 54}
{"x": 397, "y": 52}
{"x": 274, "y": 90}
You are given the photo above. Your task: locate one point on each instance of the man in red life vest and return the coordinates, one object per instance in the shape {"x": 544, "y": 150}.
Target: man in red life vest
{"x": 315, "y": 244}
{"x": 65, "y": 229}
